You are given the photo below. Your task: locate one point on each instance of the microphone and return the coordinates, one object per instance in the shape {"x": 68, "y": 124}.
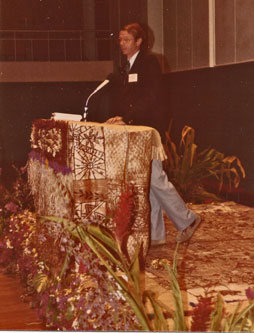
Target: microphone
{"x": 95, "y": 91}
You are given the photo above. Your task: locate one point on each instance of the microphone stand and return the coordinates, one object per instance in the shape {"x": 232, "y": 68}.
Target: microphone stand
{"x": 85, "y": 113}
{"x": 84, "y": 118}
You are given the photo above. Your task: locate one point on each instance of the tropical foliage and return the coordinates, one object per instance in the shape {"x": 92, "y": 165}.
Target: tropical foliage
{"x": 79, "y": 278}
{"x": 15, "y": 198}
{"x": 67, "y": 283}
{"x": 187, "y": 168}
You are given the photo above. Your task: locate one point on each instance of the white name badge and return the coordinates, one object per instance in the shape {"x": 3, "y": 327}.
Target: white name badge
{"x": 133, "y": 77}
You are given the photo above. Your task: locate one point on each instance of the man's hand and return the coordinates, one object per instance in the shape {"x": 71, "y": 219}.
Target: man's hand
{"x": 115, "y": 121}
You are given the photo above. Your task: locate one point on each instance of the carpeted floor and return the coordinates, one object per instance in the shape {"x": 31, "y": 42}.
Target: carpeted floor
{"x": 221, "y": 252}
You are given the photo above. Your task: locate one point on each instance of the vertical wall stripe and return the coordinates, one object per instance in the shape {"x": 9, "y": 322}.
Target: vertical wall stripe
{"x": 212, "y": 60}
{"x": 191, "y": 35}
{"x": 235, "y": 31}
{"x": 163, "y": 63}
{"x": 176, "y": 37}
{"x": 155, "y": 22}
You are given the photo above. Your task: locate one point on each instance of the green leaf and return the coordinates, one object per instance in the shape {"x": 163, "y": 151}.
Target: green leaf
{"x": 187, "y": 168}
{"x": 217, "y": 314}
{"x": 160, "y": 323}
{"x": 40, "y": 282}
{"x": 65, "y": 265}
{"x": 240, "y": 317}
{"x": 230, "y": 319}
{"x": 94, "y": 243}
{"x": 102, "y": 234}
{"x": 135, "y": 270}
{"x": 179, "y": 320}
{"x": 133, "y": 299}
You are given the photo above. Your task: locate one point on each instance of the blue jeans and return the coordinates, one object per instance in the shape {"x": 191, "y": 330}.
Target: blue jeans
{"x": 163, "y": 196}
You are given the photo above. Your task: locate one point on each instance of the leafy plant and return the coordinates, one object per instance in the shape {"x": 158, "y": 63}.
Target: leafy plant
{"x": 16, "y": 198}
{"x": 237, "y": 321}
{"x": 66, "y": 281}
{"x": 104, "y": 245}
{"x": 80, "y": 277}
{"x": 211, "y": 317}
{"x": 178, "y": 316}
{"x": 187, "y": 168}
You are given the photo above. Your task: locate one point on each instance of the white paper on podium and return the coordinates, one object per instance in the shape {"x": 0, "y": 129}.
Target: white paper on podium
{"x": 66, "y": 116}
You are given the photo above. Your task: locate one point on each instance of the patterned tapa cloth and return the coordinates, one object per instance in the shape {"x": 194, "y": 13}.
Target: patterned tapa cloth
{"x": 78, "y": 170}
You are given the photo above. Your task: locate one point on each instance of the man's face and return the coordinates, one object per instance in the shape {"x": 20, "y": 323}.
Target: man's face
{"x": 128, "y": 44}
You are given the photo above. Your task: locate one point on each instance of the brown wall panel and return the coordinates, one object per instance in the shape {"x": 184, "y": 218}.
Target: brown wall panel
{"x": 58, "y": 71}
{"x": 169, "y": 34}
{"x": 225, "y": 31}
{"x": 184, "y": 34}
{"x": 200, "y": 28}
{"x": 244, "y": 30}
{"x": 40, "y": 15}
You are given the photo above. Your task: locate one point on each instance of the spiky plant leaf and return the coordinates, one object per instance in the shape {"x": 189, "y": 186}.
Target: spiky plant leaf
{"x": 135, "y": 270}
{"x": 127, "y": 289}
{"x": 102, "y": 234}
{"x": 187, "y": 168}
{"x": 240, "y": 317}
{"x": 160, "y": 323}
{"x": 179, "y": 320}
{"x": 230, "y": 319}
{"x": 40, "y": 282}
{"x": 217, "y": 314}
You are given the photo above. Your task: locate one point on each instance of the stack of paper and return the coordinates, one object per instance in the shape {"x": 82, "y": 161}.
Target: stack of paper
{"x": 66, "y": 116}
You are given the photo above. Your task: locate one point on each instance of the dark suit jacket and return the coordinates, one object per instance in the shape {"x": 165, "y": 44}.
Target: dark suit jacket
{"x": 140, "y": 102}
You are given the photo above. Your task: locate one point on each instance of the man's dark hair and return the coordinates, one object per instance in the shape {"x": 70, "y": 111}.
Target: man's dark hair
{"x": 135, "y": 30}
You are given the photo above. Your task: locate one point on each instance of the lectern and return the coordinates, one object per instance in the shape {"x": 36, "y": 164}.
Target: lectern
{"x": 78, "y": 170}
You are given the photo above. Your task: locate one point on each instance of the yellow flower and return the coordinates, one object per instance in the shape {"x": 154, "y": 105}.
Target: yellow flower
{"x": 8, "y": 244}
{"x": 67, "y": 292}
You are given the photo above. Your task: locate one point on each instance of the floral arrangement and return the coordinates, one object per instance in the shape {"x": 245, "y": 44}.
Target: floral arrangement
{"x": 16, "y": 198}
{"x": 50, "y": 139}
{"x": 68, "y": 285}
{"x": 79, "y": 278}
{"x": 65, "y": 280}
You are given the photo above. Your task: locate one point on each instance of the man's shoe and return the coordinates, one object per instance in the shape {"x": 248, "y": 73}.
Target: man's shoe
{"x": 158, "y": 242}
{"x": 186, "y": 234}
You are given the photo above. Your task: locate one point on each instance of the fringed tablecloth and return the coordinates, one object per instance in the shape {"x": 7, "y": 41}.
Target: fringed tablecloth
{"x": 78, "y": 170}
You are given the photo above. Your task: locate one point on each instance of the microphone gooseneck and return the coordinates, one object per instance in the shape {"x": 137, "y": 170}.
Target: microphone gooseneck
{"x": 84, "y": 118}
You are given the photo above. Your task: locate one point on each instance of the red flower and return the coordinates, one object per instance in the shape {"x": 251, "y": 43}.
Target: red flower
{"x": 123, "y": 215}
{"x": 201, "y": 314}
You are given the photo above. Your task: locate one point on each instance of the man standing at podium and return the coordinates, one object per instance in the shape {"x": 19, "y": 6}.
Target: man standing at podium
{"x": 136, "y": 98}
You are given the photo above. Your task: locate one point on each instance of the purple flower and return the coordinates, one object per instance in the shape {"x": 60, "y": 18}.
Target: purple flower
{"x": 58, "y": 168}
{"x": 65, "y": 170}
{"x": 249, "y": 293}
{"x": 11, "y": 207}
{"x": 34, "y": 155}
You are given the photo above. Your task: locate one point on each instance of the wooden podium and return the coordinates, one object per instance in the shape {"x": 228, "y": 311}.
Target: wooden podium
{"x": 78, "y": 170}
